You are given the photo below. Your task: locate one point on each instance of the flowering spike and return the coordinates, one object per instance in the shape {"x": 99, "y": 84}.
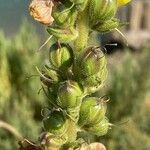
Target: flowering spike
{"x": 76, "y": 70}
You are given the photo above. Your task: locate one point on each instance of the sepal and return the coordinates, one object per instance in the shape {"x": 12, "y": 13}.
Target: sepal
{"x": 108, "y": 26}
{"x": 63, "y": 35}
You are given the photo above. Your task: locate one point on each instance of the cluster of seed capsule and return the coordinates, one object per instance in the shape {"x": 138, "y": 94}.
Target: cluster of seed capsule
{"x": 71, "y": 77}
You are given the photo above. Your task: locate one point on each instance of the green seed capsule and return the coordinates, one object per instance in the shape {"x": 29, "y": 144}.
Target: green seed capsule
{"x": 102, "y": 10}
{"x": 108, "y": 26}
{"x": 99, "y": 129}
{"x": 81, "y": 4}
{"x": 56, "y": 123}
{"x": 89, "y": 63}
{"x": 92, "y": 111}
{"x": 61, "y": 56}
{"x": 69, "y": 94}
{"x": 97, "y": 79}
{"x": 64, "y": 16}
{"x": 50, "y": 141}
{"x": 63, "y": 35}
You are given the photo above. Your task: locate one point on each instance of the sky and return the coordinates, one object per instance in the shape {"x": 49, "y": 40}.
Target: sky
{"x": 12, "y": 12}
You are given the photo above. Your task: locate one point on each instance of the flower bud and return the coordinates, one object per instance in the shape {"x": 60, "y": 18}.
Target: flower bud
{"x": 101, "y": 10}
{"x": 61, "y": 56}
{"x": 92, "y": 111}
{"x": 108, "y": 26}
{"x": 55, "y": 123}
{"x": 63, "y": 35}
{"x": 123, "y": 2}
{"x": 99, "y": 129}
{"x": 64, "y": 16}
{"x": 41, "y": 11}
{"x": 89, "y": 63}
{"x": 69, "y": 94}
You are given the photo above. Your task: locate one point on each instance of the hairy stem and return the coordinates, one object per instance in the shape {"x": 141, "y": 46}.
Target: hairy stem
{"x": 83, "y": 31}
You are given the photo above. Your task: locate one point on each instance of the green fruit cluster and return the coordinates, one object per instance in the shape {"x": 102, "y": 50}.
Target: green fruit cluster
{"x": 77, "y": 70}
{"x": 69, "y": 81}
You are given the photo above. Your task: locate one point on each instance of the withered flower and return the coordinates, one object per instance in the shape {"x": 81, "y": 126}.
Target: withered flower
{"x": 41, "y": 10}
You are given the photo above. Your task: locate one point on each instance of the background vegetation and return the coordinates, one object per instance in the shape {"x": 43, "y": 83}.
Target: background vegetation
{"x": 20, "y": 103}
{"x": 128, "y": 87}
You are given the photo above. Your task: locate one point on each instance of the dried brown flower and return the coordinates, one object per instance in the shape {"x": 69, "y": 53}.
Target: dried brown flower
{"x": 28, "y": 145}
{"x": 41, "y": 10}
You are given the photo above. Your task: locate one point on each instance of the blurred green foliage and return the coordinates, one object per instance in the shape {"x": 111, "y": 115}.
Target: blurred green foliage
{"x": 129, "y": 106}
{"x": 20, "y": 104}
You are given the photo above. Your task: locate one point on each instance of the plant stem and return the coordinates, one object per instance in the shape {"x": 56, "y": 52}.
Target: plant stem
{"x": 11, "y": 129}
{"x": 83, "y": 31}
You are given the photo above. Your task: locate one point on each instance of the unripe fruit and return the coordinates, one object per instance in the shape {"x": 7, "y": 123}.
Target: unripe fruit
{"x": 55, "y": 123}
{"x": 81, "y": 4}
{"x": 50, "y": 141}
{"x": 99, "y": 129}
{"x": 95, "y": 80}
{"x": 108, "y": 26}
{"x": 64, "y": 16}
{"x": 102, "y": 10}
{"x": 92, "y": 111}
{"x": 61, "y": 56}
{"x": 69, "y": 95}
{"x": 89, "y": 63}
